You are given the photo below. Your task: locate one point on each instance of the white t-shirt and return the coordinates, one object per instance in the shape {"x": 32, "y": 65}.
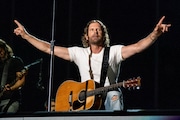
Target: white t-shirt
{"x": 80, "y": 56}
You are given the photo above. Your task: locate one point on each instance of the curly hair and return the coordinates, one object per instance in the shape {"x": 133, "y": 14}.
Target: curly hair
{"x": 104, "y": 32}
{"x": 7, "y": 48}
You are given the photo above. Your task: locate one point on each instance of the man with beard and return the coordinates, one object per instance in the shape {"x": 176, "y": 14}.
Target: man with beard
{"x": 90, "y": 57}
{"x": 12, "y": 78}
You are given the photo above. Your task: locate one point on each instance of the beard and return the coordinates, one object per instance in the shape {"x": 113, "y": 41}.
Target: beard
{"x": 96, "y": 40}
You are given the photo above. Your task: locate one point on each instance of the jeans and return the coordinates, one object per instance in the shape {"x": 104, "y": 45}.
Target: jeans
{"x": 12, "y": 107}
{"x": 114, "y": 104}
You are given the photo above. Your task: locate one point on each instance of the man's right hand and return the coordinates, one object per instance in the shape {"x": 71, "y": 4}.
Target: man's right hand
{"x": 20, "y": 30}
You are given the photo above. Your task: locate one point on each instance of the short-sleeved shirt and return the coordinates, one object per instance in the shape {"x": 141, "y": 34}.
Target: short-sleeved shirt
{"x": 80, "y": 56}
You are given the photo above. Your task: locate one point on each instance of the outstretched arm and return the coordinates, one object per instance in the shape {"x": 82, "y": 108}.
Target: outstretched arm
{"x": 144, "y": 43}
{"x": 42, "y": 45}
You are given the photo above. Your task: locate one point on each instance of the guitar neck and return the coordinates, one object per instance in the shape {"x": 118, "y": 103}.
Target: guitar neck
{"x": 101, "y": 90}
{"x": 126, "y": 84}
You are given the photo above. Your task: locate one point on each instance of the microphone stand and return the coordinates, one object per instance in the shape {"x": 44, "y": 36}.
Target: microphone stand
{"x": 34, "y": 63}
{"x": 51, "y": 60}
{"x": 39, "y": 83}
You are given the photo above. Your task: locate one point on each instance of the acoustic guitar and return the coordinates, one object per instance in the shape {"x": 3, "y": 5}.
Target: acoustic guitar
{"x": 76, "y": 96}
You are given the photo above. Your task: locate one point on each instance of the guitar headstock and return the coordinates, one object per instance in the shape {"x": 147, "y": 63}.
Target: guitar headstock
{"x": 134, "y": 83}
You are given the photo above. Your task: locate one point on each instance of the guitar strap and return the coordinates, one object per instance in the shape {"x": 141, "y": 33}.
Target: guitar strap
{"x": 105, "y": 66}
{"x": 5, "y": 73}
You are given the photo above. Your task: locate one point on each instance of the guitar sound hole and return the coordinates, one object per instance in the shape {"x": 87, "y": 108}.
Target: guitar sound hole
{"x": 79, "y": 103}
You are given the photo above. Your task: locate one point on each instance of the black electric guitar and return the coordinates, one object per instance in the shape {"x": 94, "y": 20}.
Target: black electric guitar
{"x": 72, "y": 95}
{"x": 3, "y": 91}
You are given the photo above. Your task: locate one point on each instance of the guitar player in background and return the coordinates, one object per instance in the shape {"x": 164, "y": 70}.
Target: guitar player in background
{"x": 12, "y": 79}
{"x": 90, "y": 57}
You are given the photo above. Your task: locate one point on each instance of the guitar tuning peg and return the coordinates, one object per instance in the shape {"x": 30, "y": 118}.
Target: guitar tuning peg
{"x": 137, "y": 87}
{"x": 134, "y": 87}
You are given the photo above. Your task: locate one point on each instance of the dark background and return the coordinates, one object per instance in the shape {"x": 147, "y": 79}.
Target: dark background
{"x": 127, "y": 21}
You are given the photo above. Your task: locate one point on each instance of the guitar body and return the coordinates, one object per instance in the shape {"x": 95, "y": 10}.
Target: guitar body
{"x": 67, "y": 96}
